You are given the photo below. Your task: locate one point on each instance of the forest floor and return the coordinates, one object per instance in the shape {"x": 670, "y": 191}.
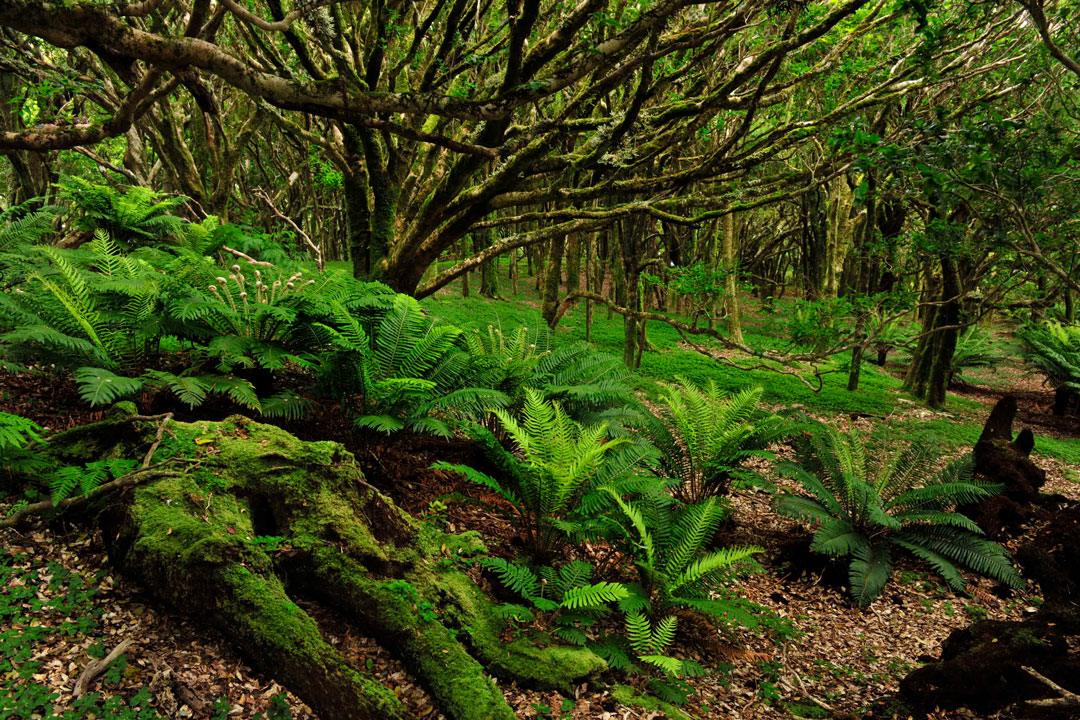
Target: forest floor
{"x": 61, "y": 605}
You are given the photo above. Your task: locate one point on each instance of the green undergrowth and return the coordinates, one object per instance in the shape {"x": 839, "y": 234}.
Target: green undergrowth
{"x": 879, "y": 393}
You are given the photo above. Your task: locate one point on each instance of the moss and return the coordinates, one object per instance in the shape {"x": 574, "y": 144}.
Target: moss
{"x": 458, "y": 682}
{"x": 190, "y": 540}
{"x": 525, "y": 661}
{"x": 630, "y": 697}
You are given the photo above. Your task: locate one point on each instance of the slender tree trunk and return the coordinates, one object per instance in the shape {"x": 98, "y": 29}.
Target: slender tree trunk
{"x": 552, "y": 277}
{"x": 514, "y": 272}
{"x": 730, "y": 259}
{"x": 588, "y": 287}
{"x": 489, "y": 279}
{"x": 941, "y": 365}
{"x": 358, "y": 214}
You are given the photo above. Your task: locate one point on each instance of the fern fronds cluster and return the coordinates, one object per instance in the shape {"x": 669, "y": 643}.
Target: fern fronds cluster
{"x": 864, "y": 508}
{"x": 1054, "y": 349}
{"x": 670, "y": 546}
{"x": 705, "y": 437}
{"x": 555, "y": 472}
{"x": 131, "y": 215}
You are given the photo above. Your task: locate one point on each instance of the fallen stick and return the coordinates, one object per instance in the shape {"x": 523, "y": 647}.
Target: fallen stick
{"x": 1068, "y": 698}
{"x": 144, "y": 473}
{"x": 96, "y": 667}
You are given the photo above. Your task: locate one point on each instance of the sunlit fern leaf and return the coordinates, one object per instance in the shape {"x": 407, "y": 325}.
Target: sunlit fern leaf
{"x": 669, "y": 665}
{"x": 99, "y": 386}
{"x": 470, "y": 474}
{"x": 639, "y": 632}
{"x": 591, "y": 596}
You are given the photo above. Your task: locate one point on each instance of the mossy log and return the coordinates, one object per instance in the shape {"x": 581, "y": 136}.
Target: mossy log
{"x": 191, "y": 540}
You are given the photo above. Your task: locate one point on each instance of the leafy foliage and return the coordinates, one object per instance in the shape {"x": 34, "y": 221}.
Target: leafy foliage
{"x": 707, "y": 435}
{"x": 132, "y": 215}
{"x": 1054, "y": 348}
{"x": 16, "y": 434}
{"x": 66, "y": 480}
{"x": 861, "y": 507}
{"x": 590, "y": 386}
{"x": 95, "y": 305}
{"x": 403, "y": 370}
{"x": 974, "y": 348}
{"x": 554, "y": 478}
{"x": 669, "y": 544}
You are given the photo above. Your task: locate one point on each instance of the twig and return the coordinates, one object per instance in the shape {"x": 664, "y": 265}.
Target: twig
{"x": 315, "y": 248}
{"x": 1068, "y": 698}
{"x": 96, "y": 667}
{"x": 132, "y": 478}
{"x": 245, "y": 256}
{"x": 144, "y": 473}
{"x": 157, "y": 441}
{"x": 806, "y": 693}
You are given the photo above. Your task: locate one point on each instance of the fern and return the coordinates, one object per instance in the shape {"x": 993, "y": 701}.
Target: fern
{"x": 593, "y": 596}
{"x": 517, "y": 578}
{"x": 705, "y": 436}
{"x": 132, "y": 215}
{"x": 862, "y": 505}
{"x": 99, "y": 386}
{"x": 64, "y": 481}
{"x": 1054, "y": 349}
{"x": 17, "y": 432}
{"x": 554, "y": 465}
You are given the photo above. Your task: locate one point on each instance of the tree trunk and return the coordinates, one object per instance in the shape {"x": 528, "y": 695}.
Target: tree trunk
{"x": 552, "y": 278}
{"x": 489, "y": 279}
{"x": 730, "y": 259}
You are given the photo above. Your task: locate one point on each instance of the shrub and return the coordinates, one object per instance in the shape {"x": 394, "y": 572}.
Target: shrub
{"x": 706, "y": 435}
{"x": 974, "y": 348}
{"x": 1054, "y": 349}
{"x": 669, "y": 543}
{"x": 862, "y": 508}
{"x": 554, "y": 476}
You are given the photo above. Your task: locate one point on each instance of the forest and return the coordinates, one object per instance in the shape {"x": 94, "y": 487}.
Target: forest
{"x": 590, "y": 359}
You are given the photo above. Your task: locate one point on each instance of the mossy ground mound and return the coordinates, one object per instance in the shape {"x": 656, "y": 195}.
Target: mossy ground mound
{"x": 256, "y": 517}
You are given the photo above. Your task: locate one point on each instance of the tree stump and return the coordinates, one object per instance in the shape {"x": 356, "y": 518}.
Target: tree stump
{"x": 1000, "y": 459}
{"x": 197, "y": 541}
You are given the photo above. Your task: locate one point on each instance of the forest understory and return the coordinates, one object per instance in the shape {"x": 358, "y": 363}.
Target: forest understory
{"x": 830, "y": 660}
{"x": 604, "y": 359}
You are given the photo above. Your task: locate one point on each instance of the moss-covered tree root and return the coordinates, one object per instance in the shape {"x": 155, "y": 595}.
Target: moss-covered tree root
{"x": 253, "y": 506}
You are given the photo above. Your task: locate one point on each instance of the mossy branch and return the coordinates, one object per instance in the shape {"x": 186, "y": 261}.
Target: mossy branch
{"x": 144, "y": 473}
{"x": 135, "y": 477}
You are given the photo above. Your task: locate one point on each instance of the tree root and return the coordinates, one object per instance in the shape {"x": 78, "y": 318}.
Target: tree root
{"x": 192, "y": 538}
